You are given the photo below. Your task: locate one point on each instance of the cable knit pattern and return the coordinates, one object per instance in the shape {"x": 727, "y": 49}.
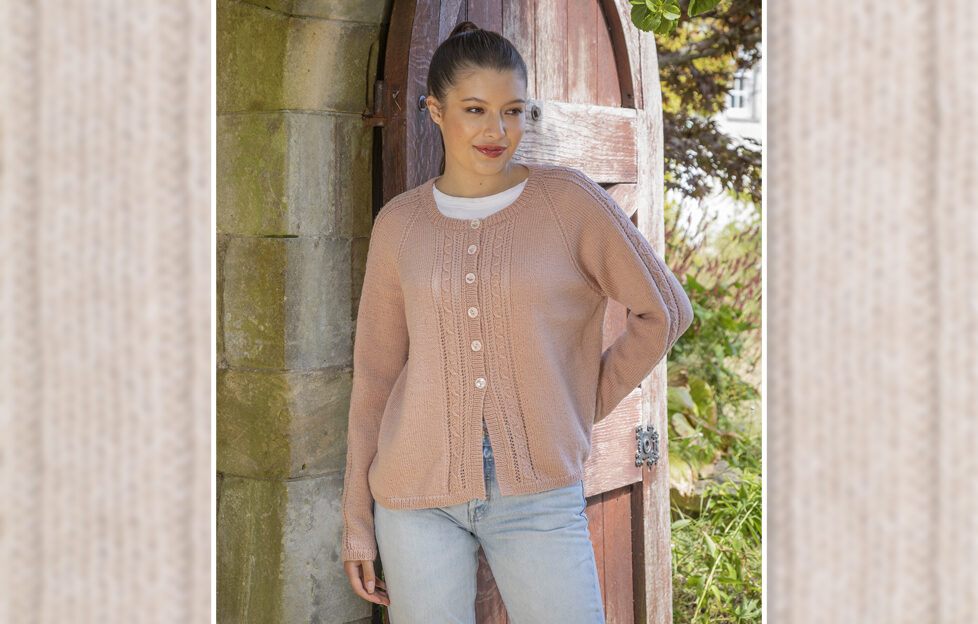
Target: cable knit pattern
{"x": 505, "y": 316}
{"x": 506, "y": 393}
{"x": 452, "y": 364}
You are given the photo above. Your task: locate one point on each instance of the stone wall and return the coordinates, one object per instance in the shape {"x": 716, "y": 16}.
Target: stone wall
{"x": 294, "y": 198}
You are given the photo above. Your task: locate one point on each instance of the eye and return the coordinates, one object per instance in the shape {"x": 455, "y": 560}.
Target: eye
{"x": 518, "y": 111}
{"x": 473, "y": 108}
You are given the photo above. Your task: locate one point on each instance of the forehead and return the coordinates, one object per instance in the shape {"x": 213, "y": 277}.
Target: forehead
{"x": 489, "y": 85}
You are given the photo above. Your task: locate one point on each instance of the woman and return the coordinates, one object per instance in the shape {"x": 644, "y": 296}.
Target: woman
{"x": 478, "y": 372}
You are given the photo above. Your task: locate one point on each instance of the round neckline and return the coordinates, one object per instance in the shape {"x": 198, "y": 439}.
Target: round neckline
{"x": 503, "y": 214}
{"x": 477, "y": 200}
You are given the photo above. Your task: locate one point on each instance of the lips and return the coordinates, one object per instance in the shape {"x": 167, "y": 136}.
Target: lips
{"x": 491, "y": 150}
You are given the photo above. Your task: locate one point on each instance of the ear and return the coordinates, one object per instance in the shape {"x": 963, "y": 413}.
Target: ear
{"x": 434, "y": 108}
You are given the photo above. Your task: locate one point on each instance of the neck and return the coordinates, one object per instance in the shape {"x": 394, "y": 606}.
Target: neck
{"x": 462, "y": 183}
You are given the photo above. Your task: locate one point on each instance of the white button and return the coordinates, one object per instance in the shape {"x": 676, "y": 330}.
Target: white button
{"x": 472, "y": 249}
{"x": 480, "y": 382}
{"x": 470, "y": 277}
{"x": 473, "y": 312}
{"x": 476, "y": 345}
{"x": 474, "y": 223}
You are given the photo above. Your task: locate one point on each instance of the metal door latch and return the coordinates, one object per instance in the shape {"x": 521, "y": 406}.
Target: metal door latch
{"x": 648, "y": 445}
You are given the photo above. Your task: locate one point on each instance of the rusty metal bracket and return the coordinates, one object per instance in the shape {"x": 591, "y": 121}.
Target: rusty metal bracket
{"x": 378, "y": 116}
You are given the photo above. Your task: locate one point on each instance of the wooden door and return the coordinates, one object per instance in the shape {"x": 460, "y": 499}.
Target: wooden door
{"x": 593, "y": 90}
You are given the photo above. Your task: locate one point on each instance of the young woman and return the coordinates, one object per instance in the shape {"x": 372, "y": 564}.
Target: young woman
{"x": 478, "y": 372}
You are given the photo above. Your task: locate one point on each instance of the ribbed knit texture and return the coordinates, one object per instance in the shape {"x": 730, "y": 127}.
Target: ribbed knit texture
{"x": 105, "y": 287}
{"x": 871, "y": 328}
{"x": 505, "y": 317}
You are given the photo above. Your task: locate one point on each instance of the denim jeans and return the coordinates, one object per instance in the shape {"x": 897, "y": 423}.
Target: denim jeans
{"x": 537, "y": 545}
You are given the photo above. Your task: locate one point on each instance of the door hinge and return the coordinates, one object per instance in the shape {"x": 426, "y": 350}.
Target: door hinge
{"x": 648, "y": 445}
{"x": 378, "y": 115}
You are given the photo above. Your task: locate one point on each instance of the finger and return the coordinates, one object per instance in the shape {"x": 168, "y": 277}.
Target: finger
{"x": 369, "y": 579}
{"x": 382, "y": 592}
{"x": 354, "y": 572}
{"x": 355, "y": 581}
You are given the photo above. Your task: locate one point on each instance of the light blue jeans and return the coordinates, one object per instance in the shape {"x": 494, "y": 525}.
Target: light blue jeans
{"x": 537, "y": 545}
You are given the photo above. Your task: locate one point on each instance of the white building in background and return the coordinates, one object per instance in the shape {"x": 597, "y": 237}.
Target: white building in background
{"x": 744, "y": 116}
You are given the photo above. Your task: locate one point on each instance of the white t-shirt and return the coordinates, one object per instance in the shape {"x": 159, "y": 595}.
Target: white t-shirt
{"x": 475, "y": 207}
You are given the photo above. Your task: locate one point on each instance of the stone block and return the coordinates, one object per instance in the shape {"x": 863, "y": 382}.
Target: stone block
{"x": 320, "y": 403}
{"x": 326, "y": 65}
{"x": 250, "y": 56}
{"x": 286, "y": 303}
{"x": 253, "y": 301}
{"x": 268, "y": 60}
{"x": 250, "y": 530}
{"x": 278, "y": 553}
{"x": 316, "y": 588}
{"x": 352, "y": 189}
{"x": 252, "y": 168}
{"x": 274, "y": 174}
{"x": 285, "y": 173}
{"x": 282, "y": 424}
{"x": 372, "y": 11}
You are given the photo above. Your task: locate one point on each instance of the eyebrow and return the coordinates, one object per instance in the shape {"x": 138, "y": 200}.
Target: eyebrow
{"x": 520, "y": 100}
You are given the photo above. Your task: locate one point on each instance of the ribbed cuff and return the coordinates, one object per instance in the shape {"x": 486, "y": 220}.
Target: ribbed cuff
{"x": 359, "y": 554}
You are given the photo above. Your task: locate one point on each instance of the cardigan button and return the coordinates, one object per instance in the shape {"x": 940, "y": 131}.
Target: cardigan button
{"x": 472, "y": 249}
{"x": 470, "y": 277}
{"x": 480, "y": 382}
{"x": 474, "y": 223}
{"x": 473, "y": 312}
{"x": 476, "y": 345}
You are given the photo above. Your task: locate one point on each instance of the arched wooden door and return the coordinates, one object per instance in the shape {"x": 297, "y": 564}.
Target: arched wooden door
{"x": 593, "y": 81}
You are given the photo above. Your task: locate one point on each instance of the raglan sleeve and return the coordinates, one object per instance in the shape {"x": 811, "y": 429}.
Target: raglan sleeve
{"x": 620, "y": 263}
{"x": 380, "y": 352}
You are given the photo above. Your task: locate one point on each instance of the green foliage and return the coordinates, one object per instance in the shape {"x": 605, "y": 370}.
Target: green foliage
{"x": 713, "y": 431}
{"x": 658, "y": 16}
{"x": 717, "y": 556}
{"x": 661, "y": 16}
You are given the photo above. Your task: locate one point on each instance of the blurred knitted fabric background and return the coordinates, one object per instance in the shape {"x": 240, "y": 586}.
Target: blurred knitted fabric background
{"x": 872, "y": 372}
{"x": 105, "y": 287}
{"x": 105, "y": 342}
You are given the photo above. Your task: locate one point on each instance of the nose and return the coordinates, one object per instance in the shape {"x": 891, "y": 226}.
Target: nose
{"x": 497, "y": 127}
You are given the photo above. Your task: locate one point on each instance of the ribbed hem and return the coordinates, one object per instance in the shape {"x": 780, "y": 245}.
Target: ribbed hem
{"x": 477, "y": 491}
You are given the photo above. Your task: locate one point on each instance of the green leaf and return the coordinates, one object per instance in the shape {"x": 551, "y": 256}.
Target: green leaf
{"x": 671, "y": 10}
{"x": 701, "y": 6}
{"x": 711, "y": 545}
{"x": 678, "y": 524}
{"x": 643, "y": 19}
{"x": 694, "y": 285}
{"x": 679, "y": 400}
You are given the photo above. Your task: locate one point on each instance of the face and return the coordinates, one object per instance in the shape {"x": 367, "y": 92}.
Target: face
{"x": 485, "y": 109}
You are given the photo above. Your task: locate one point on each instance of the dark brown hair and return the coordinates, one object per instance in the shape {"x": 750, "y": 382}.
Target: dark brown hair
{"x": 468, "y": 48}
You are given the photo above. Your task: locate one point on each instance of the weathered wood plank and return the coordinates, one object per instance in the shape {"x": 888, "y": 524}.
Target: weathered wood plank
{"x": 618, "y": 556}
{"x": 598, "y": 140}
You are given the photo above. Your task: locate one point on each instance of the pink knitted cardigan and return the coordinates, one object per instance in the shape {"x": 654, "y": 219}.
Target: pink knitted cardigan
{"x": 499, "y": 317}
